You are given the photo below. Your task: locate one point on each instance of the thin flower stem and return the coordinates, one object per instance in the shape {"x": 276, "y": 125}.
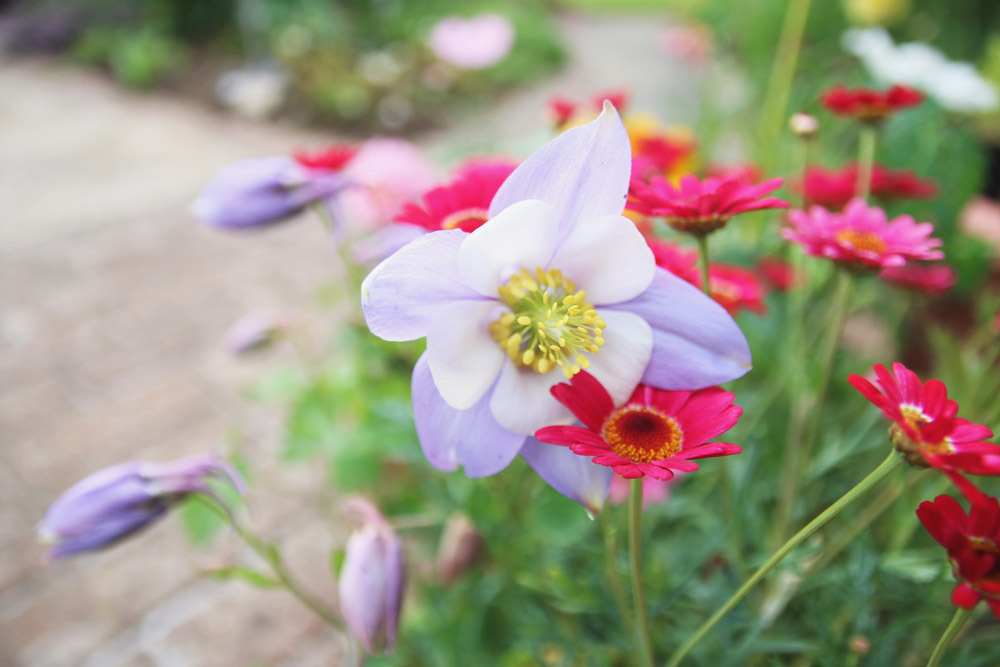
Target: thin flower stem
{"x": 706, "y": 285}
{"x": 873, "y": 478}
{"x": 806, "y": 414}
{"x": 957, "y": 623}
{"x": 866, "y": 159}
{"x": 645, "y": 652}
{"x": 613, "y": 574}
{"x": 272, "y": 556}
{"x": 783, "y": 71}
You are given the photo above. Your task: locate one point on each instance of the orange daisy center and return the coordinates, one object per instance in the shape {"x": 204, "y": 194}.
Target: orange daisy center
{"x": 643, "y": 434}
{"x": 458, "y": 218}
{"x": 868, "y": 241}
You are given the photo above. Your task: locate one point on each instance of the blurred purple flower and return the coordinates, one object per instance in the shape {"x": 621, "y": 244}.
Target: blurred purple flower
{"x": 475, "y": 43}
{"x": 262, "y": 191}
{"x": 115, "y": 502}
{"x": 372, "y": 579}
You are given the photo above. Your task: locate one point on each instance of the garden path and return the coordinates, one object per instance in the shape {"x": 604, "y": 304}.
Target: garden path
{"x": 113, "y": 301}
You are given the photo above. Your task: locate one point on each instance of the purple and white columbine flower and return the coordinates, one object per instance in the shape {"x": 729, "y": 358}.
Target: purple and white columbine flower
{"x": 556, "y": 279}
{"x": 116, "y": 502}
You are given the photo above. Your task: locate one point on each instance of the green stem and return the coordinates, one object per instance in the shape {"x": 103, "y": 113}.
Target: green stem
{"x": 957, "y": 623}
{"x": 645, "y": 652}
{"x": 873, "y": 478}
{"x": 611, "y": 562}
{"x": 706, "y": 285}
{"x": 866, "y": 159}
{"x": 783, "y": 71}
{"x": 270, "y": 554}
{"x": 803, "y": 424}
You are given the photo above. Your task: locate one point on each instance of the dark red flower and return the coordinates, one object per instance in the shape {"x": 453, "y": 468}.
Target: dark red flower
{"x": 655, "y": 433}
{"x": 868, "y": 104}
{"x": 973, "y": 544}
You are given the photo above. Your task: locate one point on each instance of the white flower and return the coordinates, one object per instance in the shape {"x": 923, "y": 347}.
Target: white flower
{"x": 956, "y": 86}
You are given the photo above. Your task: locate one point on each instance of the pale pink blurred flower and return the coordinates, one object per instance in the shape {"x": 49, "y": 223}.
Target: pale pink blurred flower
{"x": 390, "y": 172}
{"x": 981, "y": 218}
{"x": 692, "y": 43}
{"x": 653, "y": 490}
{"x": 474, "y": 43}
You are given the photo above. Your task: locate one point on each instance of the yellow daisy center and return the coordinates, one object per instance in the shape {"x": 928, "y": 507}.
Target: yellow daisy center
{"x": 453, "y": 220}
{"x": 643, "y": 434}
{"x": 549, "y": 323}
{"x": 863, "y": 240}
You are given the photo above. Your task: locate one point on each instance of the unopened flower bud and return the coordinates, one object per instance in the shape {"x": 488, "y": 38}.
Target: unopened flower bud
{"x": 371, "y": 580}
{"x": 460, "y": 545}
{"x": 860, "y": 645}
{"x": 116, "y": 502}
{"x": 803, "y": 125}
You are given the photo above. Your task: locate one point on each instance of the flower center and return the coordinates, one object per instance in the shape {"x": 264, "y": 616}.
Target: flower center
{"x": 914, "y": 452}
{"x": 549, "y": 323}
{"x": 867, "y": 241}
{"x": 468, "y": 219}
{"x": 642, "y": 434}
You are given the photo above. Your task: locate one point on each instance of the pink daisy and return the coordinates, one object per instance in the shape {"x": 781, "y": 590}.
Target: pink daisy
{"x": 654, "y": 433}
{"x": 463, "y": 203}
{"x": 929, "y": 279}
{"x": 702, "y": 206}
{"x": 862, "y": 236}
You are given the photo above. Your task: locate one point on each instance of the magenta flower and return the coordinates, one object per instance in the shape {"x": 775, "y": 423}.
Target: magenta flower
{"x": 556, "y": 279}
{"x": 474, "y": 43}
{"x": 116, "y": 502}
{"x": 862, "y": 236}
{"x": 371, "y": 580}
{"x": 700, "y": 207}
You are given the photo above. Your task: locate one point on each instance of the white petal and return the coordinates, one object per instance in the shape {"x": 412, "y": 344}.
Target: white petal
{"x": 621, "y": 361}
{"x": 522, "y": 403}
{"x": 403, "y": 294}
{"x": 584, "y": 172}
{"x": 522, "y": 237}
{"x": 463, "y": 357}
{"x": 608, "y": 257}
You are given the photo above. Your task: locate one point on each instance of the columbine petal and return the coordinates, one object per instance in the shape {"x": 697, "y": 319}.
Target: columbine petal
{"x": 463, "y": 357}
{"x": 695, "y": 342}
{"x": 583, "y": 173}
{"x": 625, "y": 354}
{"x": 449, "y": 438}
{"x": 608, "y": 257}
{"x": 403, "y": 294}
{"x": 573, "y": 476}
{"x": 521, "y": 402}
{"x": 522, "y": 237}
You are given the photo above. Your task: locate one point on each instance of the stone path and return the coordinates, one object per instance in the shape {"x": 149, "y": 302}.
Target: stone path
{"x": 113, "y": 301}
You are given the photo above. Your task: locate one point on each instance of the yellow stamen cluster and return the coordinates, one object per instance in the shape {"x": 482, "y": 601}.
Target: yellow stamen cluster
{"x": 863, "y": 240}
{"x": 550, "y": 323}
{"x": 912, "y": 451}
{"x": 642, "y": 434}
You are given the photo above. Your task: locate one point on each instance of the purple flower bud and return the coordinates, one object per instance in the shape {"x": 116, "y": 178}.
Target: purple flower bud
{"x": 115, "y": 502}
{"x": 261, "y": 191}
{"x": 371, "y": 581}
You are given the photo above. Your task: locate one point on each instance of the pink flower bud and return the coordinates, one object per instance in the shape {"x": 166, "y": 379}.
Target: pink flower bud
{"x": 460, "y": 546}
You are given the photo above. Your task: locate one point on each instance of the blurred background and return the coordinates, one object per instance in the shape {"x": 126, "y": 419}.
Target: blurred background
{"x": 114, "y": 301}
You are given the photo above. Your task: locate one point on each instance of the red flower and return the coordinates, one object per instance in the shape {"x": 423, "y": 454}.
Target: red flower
{"x": 333, "y": 158}
{"x": 869, "y": 105}
{"x": 973, "y": 544}
{"x": 748, "y": 173}
{"x": 700, "y": 207}
{"x": 779, "y": 273}
{"x": 560, "y": 110}
{"x": 833, "y": 188}
{"x": 675, "y": 259}
{"x": 862, "y": 236}
{"x": 925, "y": 428}
{"x": 618, "y": 97}
{"x": 654, "y": 433}
{"x": 735, "y": 288}
{"x": 659, "y": 154}
{"x": 929, "y": 279}
{"x": 463, "y": 203}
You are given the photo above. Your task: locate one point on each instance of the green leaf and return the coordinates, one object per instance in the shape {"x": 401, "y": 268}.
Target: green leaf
{"x": 200, "y": 522}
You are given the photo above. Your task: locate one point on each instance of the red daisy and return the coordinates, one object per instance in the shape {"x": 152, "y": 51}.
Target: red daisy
{"x": 654, "y": 433}
{"x": 925, "y": 428}
{"x": 869, "y": 105}
{"x": 700, "y": 207}
{"x": 862, "y": 236}
{"x": 463, "y": 203}
{"x": 930, "y": 279}
{"x": 735, "y": 288}
{"x": 973, "y": 544}
{"x": 833, "y": 188}
{"x": 889, "y": 184}
{"x": 675, "y": 259}
{"x": 779, "y": 273}
{"x": 659, "y": 154}
{"x": 560, "y": 110}
{"x": 333, "y": 158}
